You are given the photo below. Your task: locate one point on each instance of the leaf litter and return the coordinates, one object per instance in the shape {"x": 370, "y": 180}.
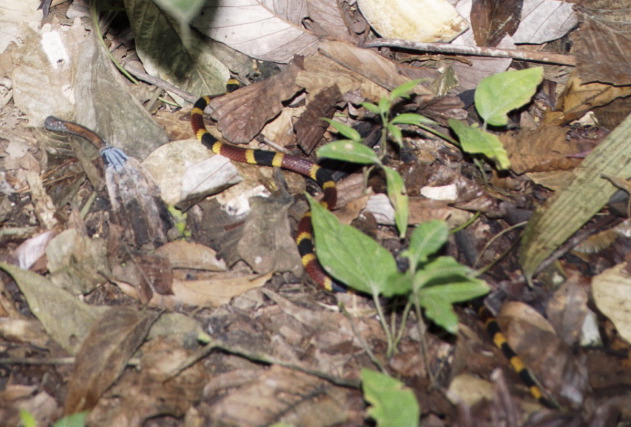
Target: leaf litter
{"x": 163, "y": 332}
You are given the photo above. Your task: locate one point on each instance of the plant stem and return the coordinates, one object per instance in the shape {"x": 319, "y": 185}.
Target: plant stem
{"x": 384, "y": 324}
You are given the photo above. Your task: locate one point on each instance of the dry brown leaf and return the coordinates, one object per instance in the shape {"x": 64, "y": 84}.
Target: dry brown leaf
{"x": 282, "y": 395}
{"x": 65, "y": 317}
{"x": 546, "y": 149}
{"x": 491, "y": 21}
{"x": 544, "y": 20}
{"x": 326, "y": 19}
{"x": 320, "y": 71}
{"x": 104, "y": 353}
{"x": 579, "y": 97}
{"x": 151, "y": 391}
{"x": 603, "y": 42}
{"x": 76, "y": 262}
{"x": 210, "y": 292}
{"x": 310, "y": 127}
{"x": 190, "y": 255}
{"x": 368, "y": 64}
{"x": 243, "y": 113}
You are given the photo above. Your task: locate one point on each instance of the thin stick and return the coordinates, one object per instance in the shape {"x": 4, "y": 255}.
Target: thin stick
{"x": 135, "y": 70}
{"x": 494, "y": 52}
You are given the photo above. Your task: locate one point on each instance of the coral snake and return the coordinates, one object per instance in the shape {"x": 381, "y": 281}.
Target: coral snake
{"x": 304, "y": 238}
{"x": 304, "y": 234}
{"x": 114, "y": 157}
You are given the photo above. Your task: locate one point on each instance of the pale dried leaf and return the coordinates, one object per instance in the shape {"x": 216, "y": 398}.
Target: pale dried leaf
{"x": 263, "y": 29}
{"x": 15, "y": 15}
{"x": 65, "y": 317}
{"x": 211, "y": 292}
{"x": 190, "y": 255}
{"x": 419, "y": 21}
{"x": 369, "y": 64}
{"x": 544, "y": 20}
{"x": 612, "y": 295}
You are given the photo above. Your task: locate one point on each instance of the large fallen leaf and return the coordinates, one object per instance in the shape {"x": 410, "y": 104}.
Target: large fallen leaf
{"x": 192, "y": 66}
{"x": 419, "y": 20}
{"x": 65, "y": 317}
{"x": 603, "y": 41}
{"x": 551, "y": 226}
{"x": 544, "y": 20}
{"x": 612, "y": 295}
{"x": 266, "y": 30}
{"x": 104, "y": 353}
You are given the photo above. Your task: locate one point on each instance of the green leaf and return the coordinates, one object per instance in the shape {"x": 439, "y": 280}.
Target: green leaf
{"x": 392, "y": 404}
{"x": 412, "y": 119}
{"x": 501, "y": 93}
{"x": 399, "y": 198}
{"x": 459, "y": 289}
{"x": 349, "y": 151}
{"x": 403, "y": 91}
{"x": 440, "y": 312}
{"x": 349, "y": 255}
{"x": 474, "y": 140}
{"x": 440, "y": 271}
{"x": 400, "y": 283}
{"x": 438, "y": 300}
{"x": 395, "y": 134}
{"x": 74, "y": 420}
{"x": 345, "y": 130}
{"x": 371, "y": 107}
{"x": 427, "y": 238}
{"x": 27, "y": 419}
{"x": 384, "y": 106}
{"x": 443, "y": 282}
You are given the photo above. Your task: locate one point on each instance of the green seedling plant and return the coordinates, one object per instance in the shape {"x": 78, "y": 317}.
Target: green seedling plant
{"x": 431, "y": 283}
{"x": 352, "y": 150}
{"x": 494, "y": 98}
